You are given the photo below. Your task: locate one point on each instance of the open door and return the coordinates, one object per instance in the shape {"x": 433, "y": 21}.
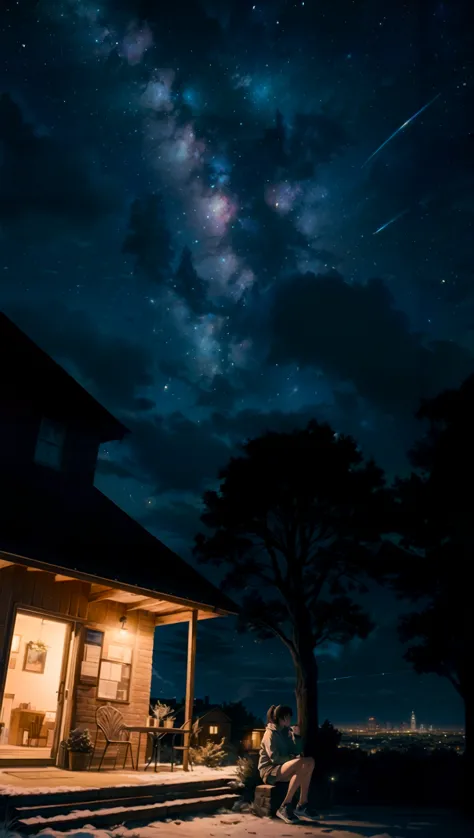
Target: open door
{"x": 35, "y": 688}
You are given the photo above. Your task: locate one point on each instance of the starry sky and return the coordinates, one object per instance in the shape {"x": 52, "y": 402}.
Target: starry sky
{"x": 198, "y": 220}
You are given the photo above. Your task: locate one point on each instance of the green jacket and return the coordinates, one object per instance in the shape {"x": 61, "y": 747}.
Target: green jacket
{"x": 279, "y": 745}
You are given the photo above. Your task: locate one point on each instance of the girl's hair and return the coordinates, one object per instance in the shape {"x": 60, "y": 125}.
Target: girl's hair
{"x": 278, "y": 712}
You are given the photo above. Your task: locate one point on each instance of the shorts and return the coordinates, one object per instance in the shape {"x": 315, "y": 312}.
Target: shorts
{"x": 273, "y": 776}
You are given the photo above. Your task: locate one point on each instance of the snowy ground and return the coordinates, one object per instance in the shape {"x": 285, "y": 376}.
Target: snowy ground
{"x": 366, "y": 823}
{"x": 18, "y": 781}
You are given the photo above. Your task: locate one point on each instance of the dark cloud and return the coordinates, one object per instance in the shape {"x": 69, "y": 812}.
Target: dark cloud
{"x": 355, "y": 333}
{"x": 111, "y": 366}
{"x": 148, "y": 239}
{"x": 176, "y": 453}
{"x": 220, "y": 395}
{"x": 40, "y": 179}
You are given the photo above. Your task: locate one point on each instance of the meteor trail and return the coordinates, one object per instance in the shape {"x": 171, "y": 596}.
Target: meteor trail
{"x": 405, "y": 125}
{"x": 392, "y": 221}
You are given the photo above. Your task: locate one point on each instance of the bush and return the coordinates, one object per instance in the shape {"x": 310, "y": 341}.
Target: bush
{"x": 79, "y": 742}
{"x": 212, "y": 755}
{"x": 247, "y": 774}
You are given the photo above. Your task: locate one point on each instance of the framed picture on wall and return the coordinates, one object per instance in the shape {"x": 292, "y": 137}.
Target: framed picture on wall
{"x": 35, "y": 657}
{"x": 16, "y": 640}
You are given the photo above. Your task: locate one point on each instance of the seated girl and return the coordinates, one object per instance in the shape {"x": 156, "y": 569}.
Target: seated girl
{"x": 282, "y": 761}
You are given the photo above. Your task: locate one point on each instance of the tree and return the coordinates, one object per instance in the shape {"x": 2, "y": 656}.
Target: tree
{"x": 241, "y": 719}
{"x": 293, "y": 524}
{"x": 148, "y": 238}
{"x": 435, "y": 522}
{"x": 188, "y": 284}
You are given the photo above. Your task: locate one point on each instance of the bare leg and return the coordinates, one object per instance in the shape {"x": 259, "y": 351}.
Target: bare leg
{"x": 293, "y": 772}
{"x": 307, "y": 773}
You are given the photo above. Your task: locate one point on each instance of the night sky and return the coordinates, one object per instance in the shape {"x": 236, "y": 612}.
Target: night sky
{"x": 320, "y": 279}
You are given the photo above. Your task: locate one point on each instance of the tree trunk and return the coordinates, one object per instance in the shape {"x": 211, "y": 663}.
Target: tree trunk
{"x": 468, "y": 779}
{"x": 307, "y": 700}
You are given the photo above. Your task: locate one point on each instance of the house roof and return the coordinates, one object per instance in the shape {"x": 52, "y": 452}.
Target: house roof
{"x": 212, "y": 711}
{"x": 33, "y": 375}
{"x": 82, "y": 531}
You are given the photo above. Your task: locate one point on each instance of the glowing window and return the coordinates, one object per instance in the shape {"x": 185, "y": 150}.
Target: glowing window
{"x": 213, "y": 730}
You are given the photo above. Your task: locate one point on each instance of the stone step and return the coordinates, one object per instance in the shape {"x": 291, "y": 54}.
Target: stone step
{"x": 111, "y": 792}
{"x": 141, "y": 797}
{"x": 133, "y": 815}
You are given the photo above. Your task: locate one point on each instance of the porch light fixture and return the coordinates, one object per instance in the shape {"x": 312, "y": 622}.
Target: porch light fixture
{"x": 123, "y": 625}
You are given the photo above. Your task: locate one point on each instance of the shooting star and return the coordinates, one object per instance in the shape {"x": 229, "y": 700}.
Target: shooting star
{"x": 401, "y": 128}
{"x": 392, "y": 221}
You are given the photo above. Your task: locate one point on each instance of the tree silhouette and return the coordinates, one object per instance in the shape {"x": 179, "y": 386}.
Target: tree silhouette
{"x": 241, "y": 719}
{"x": 293, "y": 525}
{"x": 188, "y": 284}
{"x": 148, "y": 238}
{"x": 435, "y": 521}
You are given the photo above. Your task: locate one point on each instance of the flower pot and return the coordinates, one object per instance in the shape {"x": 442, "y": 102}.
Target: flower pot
{"x": 79, "y": 760}
{"x": 168, "y": 723}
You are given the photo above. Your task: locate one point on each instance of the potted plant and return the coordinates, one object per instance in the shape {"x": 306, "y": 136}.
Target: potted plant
{"x": 79, "y": 746}
{"x": 169, "y": 722}
{"x": 160, "y": 712}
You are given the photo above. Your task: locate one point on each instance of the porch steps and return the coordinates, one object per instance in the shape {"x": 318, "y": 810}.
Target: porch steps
{"x": 107, "y": 807}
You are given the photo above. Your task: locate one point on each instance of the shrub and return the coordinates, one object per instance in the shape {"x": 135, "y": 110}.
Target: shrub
{"x": 79, "y": 742}
{"x": 247, "y": 774}
{"x": 211, "y": 754}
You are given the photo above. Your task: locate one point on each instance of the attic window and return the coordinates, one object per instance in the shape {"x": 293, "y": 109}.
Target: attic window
{"x": 213, "y": 730}
{"x": 50, "y": 444}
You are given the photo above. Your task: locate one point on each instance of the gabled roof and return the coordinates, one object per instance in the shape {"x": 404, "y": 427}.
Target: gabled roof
{"x": 29, "y": 371}
{"x": 212, "y": 710}
{"x": 82, "y": 531}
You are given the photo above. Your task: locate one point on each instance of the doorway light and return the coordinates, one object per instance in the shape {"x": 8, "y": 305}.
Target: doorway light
{"x": 123, "y": 625}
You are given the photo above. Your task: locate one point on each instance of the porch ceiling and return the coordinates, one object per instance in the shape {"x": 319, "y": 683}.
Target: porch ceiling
{"x": 166, "y": 612}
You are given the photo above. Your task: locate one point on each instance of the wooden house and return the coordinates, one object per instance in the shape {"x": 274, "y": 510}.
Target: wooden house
{"x": 83, "y": 586}
{"x": 214, "y": 726}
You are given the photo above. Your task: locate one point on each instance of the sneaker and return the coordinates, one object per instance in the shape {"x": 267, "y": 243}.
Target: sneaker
{"x": 285, "y": 814}
{"x": 303, "y": 813}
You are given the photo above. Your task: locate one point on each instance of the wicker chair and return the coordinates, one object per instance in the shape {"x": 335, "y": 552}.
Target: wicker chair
{"x": 110, "y": 722}
{"x": 35, "y": 732}
{"x": 183, "y": 748}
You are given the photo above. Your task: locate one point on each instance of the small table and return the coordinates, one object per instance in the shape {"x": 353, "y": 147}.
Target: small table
{"x": 162, "y": 731}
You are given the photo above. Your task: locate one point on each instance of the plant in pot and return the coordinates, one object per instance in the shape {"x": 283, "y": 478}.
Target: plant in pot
{"x": 169, "y": 722}
{"x": 79, "y": 746}
{"x": 160, "y": 712}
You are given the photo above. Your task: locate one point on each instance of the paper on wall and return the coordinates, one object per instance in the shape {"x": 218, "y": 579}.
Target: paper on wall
{"x": 92, "y": 653}
{"x": 108, "y": 689}
{"x": 89, "y": 670}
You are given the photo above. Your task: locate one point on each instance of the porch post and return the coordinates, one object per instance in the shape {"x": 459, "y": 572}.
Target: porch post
{"x": 190, "y": 674}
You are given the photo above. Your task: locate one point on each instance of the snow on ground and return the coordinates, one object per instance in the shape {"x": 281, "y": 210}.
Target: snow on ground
{"x": 364, "y": 823}
{"x": 107, "y": 779}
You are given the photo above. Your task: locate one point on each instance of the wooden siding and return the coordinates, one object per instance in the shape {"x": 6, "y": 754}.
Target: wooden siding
{"x": 104, "y": 615}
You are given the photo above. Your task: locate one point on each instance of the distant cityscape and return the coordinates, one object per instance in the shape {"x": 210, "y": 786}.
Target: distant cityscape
{"x": 374, "y": 736}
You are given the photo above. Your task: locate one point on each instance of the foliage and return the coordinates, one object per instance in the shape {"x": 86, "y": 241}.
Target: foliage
{"x": 212, "y": 754}
{"x": 241, "y": 719}
{"x": 293, "y": 523}
{"x": 247, "y": 773}
{"x": 435, "y": 526}
{"x": 79, "y": 741}
{"x": 161, "y": 711}
{"x": 436, "y": 542}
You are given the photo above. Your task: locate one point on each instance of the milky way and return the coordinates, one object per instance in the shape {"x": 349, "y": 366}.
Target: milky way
{"x": 192, "y": 221}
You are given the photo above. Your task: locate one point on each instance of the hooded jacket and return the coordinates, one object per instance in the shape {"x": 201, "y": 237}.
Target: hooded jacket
{"x": 279, "y": 745}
